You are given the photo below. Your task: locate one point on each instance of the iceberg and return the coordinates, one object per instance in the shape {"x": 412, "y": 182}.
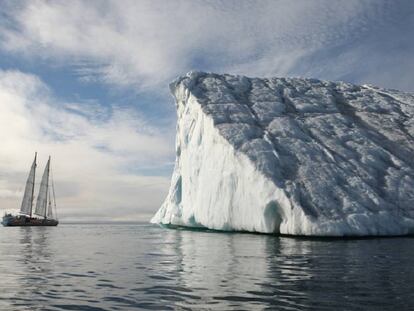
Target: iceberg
{"x": 291, "y": 156}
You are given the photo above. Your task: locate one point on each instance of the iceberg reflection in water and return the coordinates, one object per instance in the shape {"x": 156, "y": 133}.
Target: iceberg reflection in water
{"x": 127, "y": 267}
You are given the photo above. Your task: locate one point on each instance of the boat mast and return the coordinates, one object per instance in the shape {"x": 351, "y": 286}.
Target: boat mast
{"x": 53, "y": 192}
{"x": 47, "y": 187}
{"x": 34, "y": 177}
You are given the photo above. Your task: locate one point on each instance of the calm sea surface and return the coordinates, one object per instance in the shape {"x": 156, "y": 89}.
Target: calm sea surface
{"x": 141, "y": 267}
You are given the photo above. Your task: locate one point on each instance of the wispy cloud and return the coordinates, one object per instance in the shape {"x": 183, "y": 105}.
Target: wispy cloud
{"x": 96, "y": 152}
{"x": 147, "y": 43}
{"x": 103, "y": 151}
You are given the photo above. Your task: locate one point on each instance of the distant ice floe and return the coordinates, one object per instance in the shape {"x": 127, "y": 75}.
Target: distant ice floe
{"x": 291, "y": 156}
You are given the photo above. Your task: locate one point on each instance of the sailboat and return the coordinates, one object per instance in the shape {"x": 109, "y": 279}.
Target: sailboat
{"x": 44, "y": 210}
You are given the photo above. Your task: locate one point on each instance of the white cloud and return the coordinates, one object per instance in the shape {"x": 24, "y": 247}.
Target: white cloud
{"x": 99, "y": 151}
{"x": 146, "y": 43}
{"x": 94, "y": 159}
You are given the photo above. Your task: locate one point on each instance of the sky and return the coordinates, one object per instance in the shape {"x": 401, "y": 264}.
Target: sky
{"x": 87, "y": 82}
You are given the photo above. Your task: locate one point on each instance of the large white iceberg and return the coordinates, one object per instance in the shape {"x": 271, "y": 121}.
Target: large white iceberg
{"x": 291, "y": 156}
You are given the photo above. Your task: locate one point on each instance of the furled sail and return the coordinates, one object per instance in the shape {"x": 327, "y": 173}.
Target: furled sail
{"x": 41, "y": 204}
{"x": 26, "y": 208}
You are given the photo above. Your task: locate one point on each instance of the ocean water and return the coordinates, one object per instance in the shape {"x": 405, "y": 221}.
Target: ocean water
{"x": 145, "y": 267}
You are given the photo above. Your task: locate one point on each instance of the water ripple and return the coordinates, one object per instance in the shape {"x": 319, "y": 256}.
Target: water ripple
{"x": 142, "y": 267}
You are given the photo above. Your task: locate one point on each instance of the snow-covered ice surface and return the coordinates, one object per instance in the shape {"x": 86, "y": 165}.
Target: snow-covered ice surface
{"x": 291, "y": 156}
